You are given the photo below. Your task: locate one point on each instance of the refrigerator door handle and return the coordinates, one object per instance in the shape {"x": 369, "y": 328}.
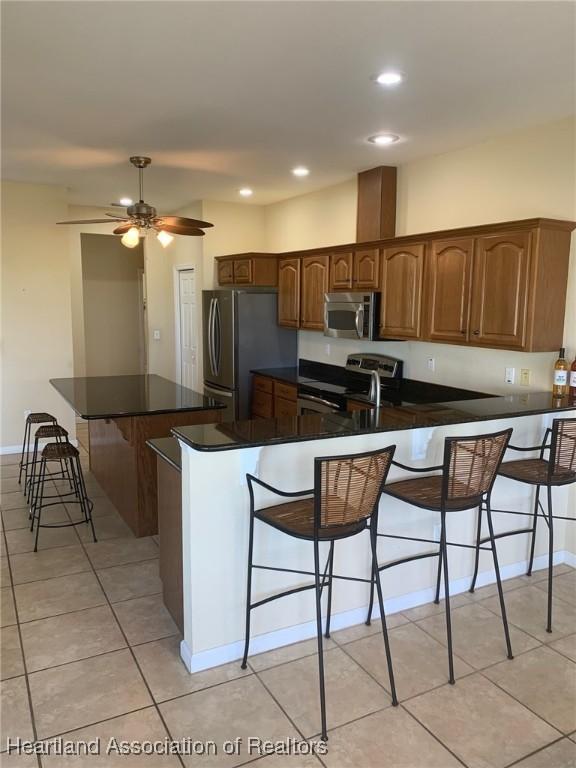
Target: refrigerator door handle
{"x": 218, "y": 392}
{"x": 211, "y": 336}
{"x": 217, "y": 338}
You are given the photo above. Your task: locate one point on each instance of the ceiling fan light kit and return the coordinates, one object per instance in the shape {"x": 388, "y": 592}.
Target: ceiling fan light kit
{"x": 142, "y": 218}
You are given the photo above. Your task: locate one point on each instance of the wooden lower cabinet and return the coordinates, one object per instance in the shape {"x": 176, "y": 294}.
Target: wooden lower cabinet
{"x": 401, "y": 285}
{"x": 314, "y": 287}
{"x": 289, "y": 292}
{"x": 357, "y": 405}
{"x": 272, "y": 398}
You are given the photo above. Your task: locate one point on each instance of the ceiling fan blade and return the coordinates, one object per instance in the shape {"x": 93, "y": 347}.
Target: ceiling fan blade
{"x": 181, "y": 221}
{"x": 116, "y": 216}
{"x": 123, "y": 228}
{"x": 86, "y": 221}
{"x": 176, "y": 229}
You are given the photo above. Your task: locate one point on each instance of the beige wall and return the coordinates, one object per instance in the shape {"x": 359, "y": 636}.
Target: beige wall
{"x": 325, "y": 217}
{"x": 36, "y": 307}
{"x": 528, "y": 174}
{"x": 113, "y": 327}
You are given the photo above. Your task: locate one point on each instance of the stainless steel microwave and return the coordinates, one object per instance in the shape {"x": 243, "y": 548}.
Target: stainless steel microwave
{"x": 351, "y": 315}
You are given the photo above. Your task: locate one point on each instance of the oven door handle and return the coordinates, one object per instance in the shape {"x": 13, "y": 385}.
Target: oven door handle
{"x": 360, "y": 322}
{"x": 321, "y": 401}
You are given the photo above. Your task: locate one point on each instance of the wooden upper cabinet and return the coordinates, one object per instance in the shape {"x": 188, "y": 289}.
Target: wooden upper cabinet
{"x": 314, "y": 286}
{"x": 449, "y": 280}
{"x": 243, "y": 271}
{"x": 401, "y": 285}
{"x": 225, "y": 272}
{"x": 499, "y": 296}
{"x": 289, "y": 292}
{"x": 366, "y": 269}
{"x": 341, "y": 271}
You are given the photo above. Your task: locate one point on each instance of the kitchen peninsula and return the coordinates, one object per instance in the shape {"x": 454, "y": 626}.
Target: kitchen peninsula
{"x": 123, "y": 412}
{"x": 215, "y": 521}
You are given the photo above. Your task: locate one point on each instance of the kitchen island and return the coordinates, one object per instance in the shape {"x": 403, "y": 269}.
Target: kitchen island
{"x": 215, "y": 517}
{"x": 123, "y": 412}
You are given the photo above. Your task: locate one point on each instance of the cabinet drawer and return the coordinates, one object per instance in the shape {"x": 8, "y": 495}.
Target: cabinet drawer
{"x": 262, "y": 404}
{"x": 287, "y": 391}
{"x": 225, "y": 272}
{"x": 263, "y": 384}
{"x": 243, "y": 270}
{"x": 284, "y": 407}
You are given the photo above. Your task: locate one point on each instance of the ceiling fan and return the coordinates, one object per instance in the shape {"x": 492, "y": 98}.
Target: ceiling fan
{"x": 142, "y": 218}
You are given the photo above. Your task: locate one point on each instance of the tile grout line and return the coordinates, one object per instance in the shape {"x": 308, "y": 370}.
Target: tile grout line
{"x": 537, "y": 751}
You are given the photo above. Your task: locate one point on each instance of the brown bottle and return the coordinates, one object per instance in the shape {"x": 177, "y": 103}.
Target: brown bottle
{"x": 572, "y": 380}
{"x": 561, "y": 370}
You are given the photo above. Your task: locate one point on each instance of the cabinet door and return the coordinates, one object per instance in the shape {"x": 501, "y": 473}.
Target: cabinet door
{"x": 314, "y": 286}
{"x": 243, "y": 271}
{"x": 401, "y": 281}
{"x": 289, "y": 292}
{"x": 284, "y": 408}
{"x": 341, "y": 272}
{"x": 366, "y": 269}
{"x": 499, "y": 290}
{"x": 449, "y": 279}
{"x": 225, "y": 272}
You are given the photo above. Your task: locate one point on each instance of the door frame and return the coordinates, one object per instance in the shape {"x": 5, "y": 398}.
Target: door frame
{"x": 177, "y": 346}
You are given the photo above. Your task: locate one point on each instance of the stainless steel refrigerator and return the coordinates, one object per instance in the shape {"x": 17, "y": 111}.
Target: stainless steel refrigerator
{"x": 240, "y": 333}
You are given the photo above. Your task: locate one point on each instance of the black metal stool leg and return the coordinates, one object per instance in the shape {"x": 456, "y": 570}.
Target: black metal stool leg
{"x": 499, "y": 581}
{"x": 550, "y": 558}
{"x": 376, "y": 577}
{"x": 25, "y": 442}
{"x": 370, "y": 604}
{"x": 330, "y": 572}
{"x": 477, "y": 554}
{"x": 324, "y": 734}
{"x": 41, "y": 479}
{"x": 438, "y": 577}
{"x": 249, "y": 582}
{"x": 444, "y": 557}
{"x": 31, "y": 480}
{"x": 533, "y": 542}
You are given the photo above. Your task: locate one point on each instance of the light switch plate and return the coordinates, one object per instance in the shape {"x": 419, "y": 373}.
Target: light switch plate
{"x": 156, "y": 335}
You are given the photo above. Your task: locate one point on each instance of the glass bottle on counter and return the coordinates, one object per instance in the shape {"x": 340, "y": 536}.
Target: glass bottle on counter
{"x": 561, "y": 370}
{"x": 572, "y": 380}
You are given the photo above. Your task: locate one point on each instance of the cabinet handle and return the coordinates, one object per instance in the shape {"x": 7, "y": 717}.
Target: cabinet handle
{"x": 476, "y": 333}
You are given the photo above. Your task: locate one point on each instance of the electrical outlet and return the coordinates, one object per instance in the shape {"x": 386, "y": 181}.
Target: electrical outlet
{"x": 525, "y": 377}
{"x": 431, "y": 363}
{"x": 510, "y": 375}
{"x": 156, "y": 335}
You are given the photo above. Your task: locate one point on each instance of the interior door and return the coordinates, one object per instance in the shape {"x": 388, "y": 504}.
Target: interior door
{"x": 188, "y": 330}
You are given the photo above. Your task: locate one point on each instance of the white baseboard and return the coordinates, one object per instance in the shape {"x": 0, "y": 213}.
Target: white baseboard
{"x": 224, "y": 654}
{"x": 9, "y": 449}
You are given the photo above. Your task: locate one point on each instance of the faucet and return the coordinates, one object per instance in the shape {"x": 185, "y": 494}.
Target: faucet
{"x": 374, "y": 394}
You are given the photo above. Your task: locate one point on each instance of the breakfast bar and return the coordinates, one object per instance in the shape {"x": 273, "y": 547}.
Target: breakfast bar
{"x": 123, "y": 412}
{"x": 215, "y": 517}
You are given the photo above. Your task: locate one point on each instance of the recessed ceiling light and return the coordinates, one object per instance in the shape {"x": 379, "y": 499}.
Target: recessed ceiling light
{"x": 383, "y": 139}
{"x": 388, "y": 78}
{"x": 300, "y": 170}
{"x": 126, "y": 201}
{"x": 245, "y": 192}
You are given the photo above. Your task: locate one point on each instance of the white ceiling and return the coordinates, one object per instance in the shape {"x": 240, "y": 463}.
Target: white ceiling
{"x": 226, "y": 94}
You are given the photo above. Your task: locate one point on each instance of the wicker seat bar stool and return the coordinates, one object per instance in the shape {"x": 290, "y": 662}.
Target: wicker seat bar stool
{"x": 468, "y": 473}
{"x": 32, "y": 418}
{"x": 46, "y": 432}
{"x": 66, "y": 452}
{"x": 343, "y": 503}
{"x": 558, "y": 469}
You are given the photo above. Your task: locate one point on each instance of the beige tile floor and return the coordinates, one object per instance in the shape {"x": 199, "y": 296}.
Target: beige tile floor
{"x": 89, "y": 651}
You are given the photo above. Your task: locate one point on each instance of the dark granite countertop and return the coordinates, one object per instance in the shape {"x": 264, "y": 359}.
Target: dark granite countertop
{"x": 107, "y": 397}
{"x": 290, "y": 375}
{"x": 168, "y": 449}
{"x": 258, "y": 432}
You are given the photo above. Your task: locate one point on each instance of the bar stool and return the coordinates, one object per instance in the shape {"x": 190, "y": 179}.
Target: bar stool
{"x": 32, "y": 418}
{"x": 68, "y": 453}
{"x": 44, "y": 432}
{"x": 343, "y": 501}
{"x": 558, "y": 469}
{"x": 468, "y": 474}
